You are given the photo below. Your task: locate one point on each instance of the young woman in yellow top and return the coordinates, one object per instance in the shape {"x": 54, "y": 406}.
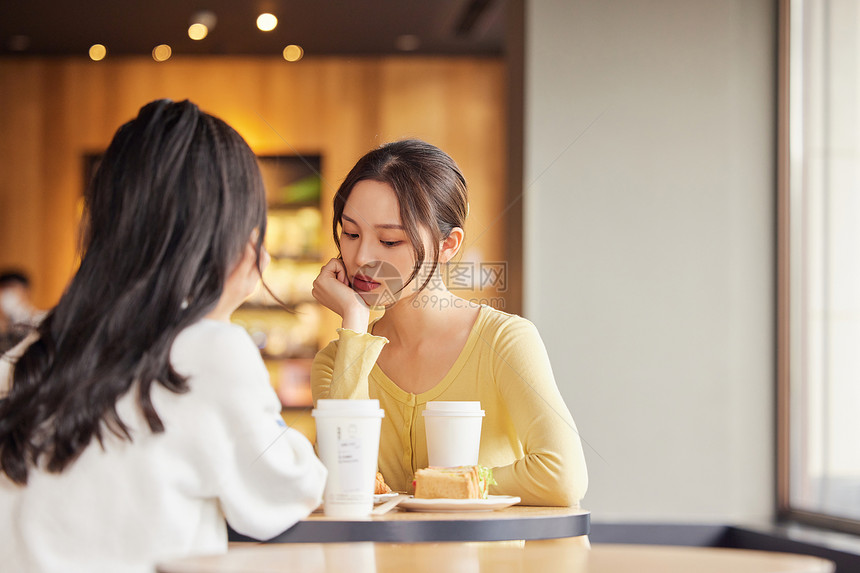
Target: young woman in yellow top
{"x": 398, "y": 215}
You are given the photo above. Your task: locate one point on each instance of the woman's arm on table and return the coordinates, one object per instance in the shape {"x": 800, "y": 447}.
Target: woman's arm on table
{"x": 341, "y": 369}
{"x": 553, "y": 471}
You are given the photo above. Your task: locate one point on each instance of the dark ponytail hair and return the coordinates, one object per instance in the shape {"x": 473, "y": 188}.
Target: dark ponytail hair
{"x": 167, "y": 216}
{"x": 430, "y": 190}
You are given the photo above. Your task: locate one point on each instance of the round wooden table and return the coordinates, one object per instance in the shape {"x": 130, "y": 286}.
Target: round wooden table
{"x": 548, "y": 556}
{"x": 398, "y": 526}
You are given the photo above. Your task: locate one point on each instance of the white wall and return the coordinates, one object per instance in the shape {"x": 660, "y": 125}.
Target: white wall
{"x": 650, "y": 213}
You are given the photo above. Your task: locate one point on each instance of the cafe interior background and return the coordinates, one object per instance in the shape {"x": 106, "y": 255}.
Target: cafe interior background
{"x": 623, "y": 161}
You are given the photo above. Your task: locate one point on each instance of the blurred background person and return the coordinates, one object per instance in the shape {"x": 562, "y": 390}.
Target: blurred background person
{"x": 18, "y": 317}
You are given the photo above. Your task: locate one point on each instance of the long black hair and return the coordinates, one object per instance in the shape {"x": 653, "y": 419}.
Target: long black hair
{"x": 167, "y": 216}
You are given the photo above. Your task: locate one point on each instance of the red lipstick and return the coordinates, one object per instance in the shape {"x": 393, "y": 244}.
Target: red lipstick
{"x": 363, "y": 283}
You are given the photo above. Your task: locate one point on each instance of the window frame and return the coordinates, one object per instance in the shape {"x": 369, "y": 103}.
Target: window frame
{"x": 785, "y": 511}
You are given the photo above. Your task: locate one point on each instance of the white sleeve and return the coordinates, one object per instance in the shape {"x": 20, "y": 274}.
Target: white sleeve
{"x": 268, "y": 476}
{"x": 7, "y": 362}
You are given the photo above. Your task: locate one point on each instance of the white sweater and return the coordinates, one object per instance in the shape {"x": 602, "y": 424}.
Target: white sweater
{"x": 225, "y": 452}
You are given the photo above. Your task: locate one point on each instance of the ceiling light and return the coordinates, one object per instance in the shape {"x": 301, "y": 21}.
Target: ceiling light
{"x": 97, "y": 52}
{"x": 197, "y": 31}
{"x": 267, "y": 22}
{"x": 161, "y": 53}
{"x": 293, "y": 53}
{"x": 202, "y": 22}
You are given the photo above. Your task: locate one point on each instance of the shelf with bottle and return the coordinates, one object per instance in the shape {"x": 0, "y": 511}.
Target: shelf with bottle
{"x": 288, "y": 341}
{"x": 291, "y": 281}
{"x": 294, "y": 233}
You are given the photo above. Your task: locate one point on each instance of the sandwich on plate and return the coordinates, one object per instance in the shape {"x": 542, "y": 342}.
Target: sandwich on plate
{"x": 465, "y": 482}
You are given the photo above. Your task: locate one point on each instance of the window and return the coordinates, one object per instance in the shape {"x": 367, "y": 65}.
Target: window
{"x": 819, "y": 262}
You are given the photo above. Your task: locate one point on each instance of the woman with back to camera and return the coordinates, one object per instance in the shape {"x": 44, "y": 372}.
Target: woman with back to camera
{"x": 137, "y": 418}
{"x": 398, "y": 215}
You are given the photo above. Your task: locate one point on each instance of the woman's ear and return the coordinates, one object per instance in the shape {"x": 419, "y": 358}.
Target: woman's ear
{"x": 451, "y": 245}
{"x": 247, "y": 263}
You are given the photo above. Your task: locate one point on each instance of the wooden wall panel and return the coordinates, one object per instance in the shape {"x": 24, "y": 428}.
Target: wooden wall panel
{"x": 52, "y": 111}
{"x": 21, "y": 119}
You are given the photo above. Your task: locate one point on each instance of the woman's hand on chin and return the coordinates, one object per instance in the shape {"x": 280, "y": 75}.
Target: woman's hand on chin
{"x": 332, "y": 290}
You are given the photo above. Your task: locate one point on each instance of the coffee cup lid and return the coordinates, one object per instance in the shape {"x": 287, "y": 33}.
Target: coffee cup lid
{"x": 331, "y": 403}
{"x": 333, "y": 407}
{"x": 453, "y": 408}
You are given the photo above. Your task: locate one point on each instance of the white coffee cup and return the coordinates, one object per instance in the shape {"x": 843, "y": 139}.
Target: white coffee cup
{"x": 453, "y": 431}
{"x": 348, "y": 445}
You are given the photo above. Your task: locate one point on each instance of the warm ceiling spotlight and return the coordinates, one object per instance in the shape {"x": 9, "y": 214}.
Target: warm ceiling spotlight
{"x": 161, "y": 53}
{"x": 197, "y": 31}
{"x": 267, "y": 22}
{"x": 202, "y": 22}
{"x": 97, "y": 52}
{"x": 293, "y": 53}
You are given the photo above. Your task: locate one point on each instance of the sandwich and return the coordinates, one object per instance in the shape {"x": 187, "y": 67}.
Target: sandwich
{"x": 466, "y": 482}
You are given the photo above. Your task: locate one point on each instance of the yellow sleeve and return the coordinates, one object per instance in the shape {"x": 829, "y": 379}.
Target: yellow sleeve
{"x": 340, "y": 370}
{"x": 553, "y": 471}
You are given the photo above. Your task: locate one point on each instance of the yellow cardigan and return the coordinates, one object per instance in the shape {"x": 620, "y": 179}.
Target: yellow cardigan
{"x": 528, "y": 436}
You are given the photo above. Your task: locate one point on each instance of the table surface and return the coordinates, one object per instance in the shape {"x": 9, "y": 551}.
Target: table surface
{"x": 400, "y": 526}
{"x": 545, "y": 556}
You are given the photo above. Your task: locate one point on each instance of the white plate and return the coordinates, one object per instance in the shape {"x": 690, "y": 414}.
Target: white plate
{"x": 453, "y": 505}
{"x": 383, "y": 497}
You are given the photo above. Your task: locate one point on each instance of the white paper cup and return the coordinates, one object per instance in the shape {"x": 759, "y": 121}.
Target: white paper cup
{"x": 453, "y": 432}
{"x": 348, "y": 445}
